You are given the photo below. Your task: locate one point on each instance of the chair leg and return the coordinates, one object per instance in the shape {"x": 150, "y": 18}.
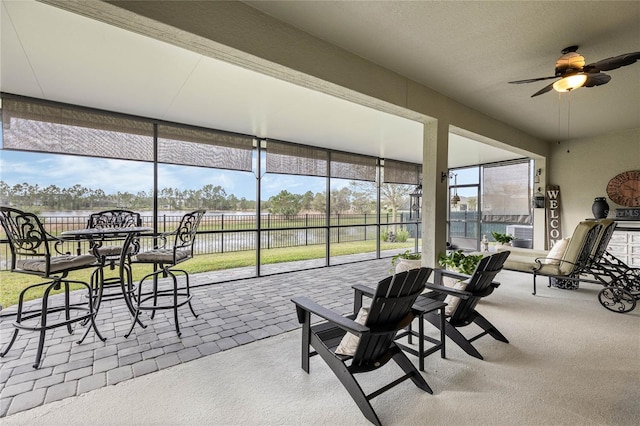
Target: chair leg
{"x": 189, "y": 294}
{"x": 43, "y": 322}
{"x": 175, "y": 301}
{"x": 407, "y": 366}
{"x": 454, "y": 335}
{"x": 483, "y": 323}
{"x": 133, "y": 323}
{"x": 18, "y": 321}
{"x": 187, "y": 289}
{"x": 346, "y": 378}
{"x": 306, "y": 333}
{"x": 92, "y": 318}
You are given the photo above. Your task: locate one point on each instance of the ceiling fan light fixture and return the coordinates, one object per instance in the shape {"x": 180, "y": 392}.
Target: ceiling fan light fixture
{"x": 570, "y": 82}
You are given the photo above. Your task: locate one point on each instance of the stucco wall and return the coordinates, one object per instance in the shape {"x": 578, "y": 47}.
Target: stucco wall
{"x": 584, "y": 172}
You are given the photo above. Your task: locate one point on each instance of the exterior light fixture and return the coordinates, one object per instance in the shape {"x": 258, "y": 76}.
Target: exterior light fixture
{"x": 536, "y": 178}
{"x": 456, "y": 198}
{"x": 415, "y": 202}
{"x": 570, "y": 82}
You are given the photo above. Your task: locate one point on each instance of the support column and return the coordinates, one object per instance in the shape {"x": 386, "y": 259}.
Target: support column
{"x": 435, "y": 160}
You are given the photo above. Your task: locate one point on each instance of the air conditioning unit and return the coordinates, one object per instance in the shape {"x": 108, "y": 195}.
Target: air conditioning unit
{"x": 522, "y": 234}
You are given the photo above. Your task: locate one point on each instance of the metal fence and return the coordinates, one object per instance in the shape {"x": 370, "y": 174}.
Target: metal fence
{"x": 220, "y": 233}
{"x": 465, "y": 225}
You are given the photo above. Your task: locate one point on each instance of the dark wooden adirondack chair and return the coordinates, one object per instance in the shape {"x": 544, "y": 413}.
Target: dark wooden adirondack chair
{"x": 389, "y": 312}
{"x": 480, "y": 284}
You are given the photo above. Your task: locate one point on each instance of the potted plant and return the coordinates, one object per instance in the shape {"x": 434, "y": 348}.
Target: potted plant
{"x": 459, "y": 262}
{"x": 404, "y": 261}
{"x": 503, "y": 239}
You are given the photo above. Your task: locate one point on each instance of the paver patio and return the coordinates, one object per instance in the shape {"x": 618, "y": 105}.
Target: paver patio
{"x": 230, "y": 314}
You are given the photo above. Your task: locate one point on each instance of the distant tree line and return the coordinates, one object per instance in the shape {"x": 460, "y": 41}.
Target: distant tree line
{"x": 358, "y": 197}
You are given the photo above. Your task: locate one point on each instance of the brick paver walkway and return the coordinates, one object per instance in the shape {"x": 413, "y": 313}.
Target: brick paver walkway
{"x": 229, "y": 314}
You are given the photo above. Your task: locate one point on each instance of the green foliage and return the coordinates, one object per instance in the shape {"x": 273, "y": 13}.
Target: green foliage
{"x": 457, "y": 260}
{"x": 502, "y": 238}
{"x": 384, "y": 235}
{"x": 402, "y": 236}
{"x": 285, "y": 203}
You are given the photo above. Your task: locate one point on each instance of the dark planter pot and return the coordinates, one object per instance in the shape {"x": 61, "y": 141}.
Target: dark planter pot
{"x": 600, "y": 208}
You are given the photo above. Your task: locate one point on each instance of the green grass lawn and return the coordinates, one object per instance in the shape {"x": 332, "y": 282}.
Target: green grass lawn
{"x": 11, "y": 283}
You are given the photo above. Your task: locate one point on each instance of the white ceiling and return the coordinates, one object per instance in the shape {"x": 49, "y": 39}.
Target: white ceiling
{"x": 467, "y": 51}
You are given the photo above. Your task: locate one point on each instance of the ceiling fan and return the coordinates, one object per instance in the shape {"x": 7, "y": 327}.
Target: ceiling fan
{"x": 573, "y": 72}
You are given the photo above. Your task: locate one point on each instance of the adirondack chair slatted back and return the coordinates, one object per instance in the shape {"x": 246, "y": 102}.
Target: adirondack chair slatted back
{"x": 390, "y": 311}
{"x": 480, "y": 285}
{"x": 116, "y": 218}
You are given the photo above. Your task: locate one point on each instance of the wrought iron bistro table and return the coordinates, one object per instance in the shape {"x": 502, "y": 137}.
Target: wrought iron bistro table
{"x": 96, "y": 237}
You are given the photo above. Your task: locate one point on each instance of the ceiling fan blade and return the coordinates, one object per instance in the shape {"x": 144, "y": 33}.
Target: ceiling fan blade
{"x": 597, "y": 79}
{"x": 545, "y": 89}
{"x": 531, "y": 80}
{"x": 613, "y": 63}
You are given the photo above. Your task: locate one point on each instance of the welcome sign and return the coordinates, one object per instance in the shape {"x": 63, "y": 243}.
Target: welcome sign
{"x": 554, "y": 226}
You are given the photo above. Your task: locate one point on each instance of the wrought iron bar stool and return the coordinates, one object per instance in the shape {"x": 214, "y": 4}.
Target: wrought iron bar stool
{"x": 171, "y": 249}
{"x": 108, "y": 251}
{"x": 33, "y": 252}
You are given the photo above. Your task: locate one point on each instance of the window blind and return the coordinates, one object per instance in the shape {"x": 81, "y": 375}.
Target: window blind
{"x": 52, "y": 128}
{"x": 287, "y": 158}
{"x": 402, "y": 172}
{"x": 505, "y": 193}
{"x": 353, "y": 166}
{"x": 205, "y": 148}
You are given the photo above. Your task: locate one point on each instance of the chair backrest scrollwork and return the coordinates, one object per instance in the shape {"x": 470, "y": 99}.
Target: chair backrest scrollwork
{"x": 186, "y": 231}
{"x": 116, "y": 218}
{"x": 25, "y": 233}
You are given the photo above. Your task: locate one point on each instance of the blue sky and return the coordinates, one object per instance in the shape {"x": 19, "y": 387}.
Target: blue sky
{"x": 129, "y": 176}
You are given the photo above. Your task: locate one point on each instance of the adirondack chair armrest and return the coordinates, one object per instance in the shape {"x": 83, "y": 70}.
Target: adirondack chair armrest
{"x": 449, "y": 290}
{"x": 360, "y": 291}
{"x": 363, "y": 289}
{"x": 304, "y": 304}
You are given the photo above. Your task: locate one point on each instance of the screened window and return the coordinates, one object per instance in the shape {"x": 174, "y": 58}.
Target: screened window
{"x": 505, "y": 193}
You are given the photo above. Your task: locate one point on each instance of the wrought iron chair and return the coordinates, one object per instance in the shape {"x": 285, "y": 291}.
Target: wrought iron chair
{"x": 171, "y": 249}
{"x": 462, "y": 300}
{"x": 565, "y": 272}
{"x": 621, "y": 282}
{"x": 351, "y": 344}
{"x": 33, "y": 251}
{"x": 108, "y": 250}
